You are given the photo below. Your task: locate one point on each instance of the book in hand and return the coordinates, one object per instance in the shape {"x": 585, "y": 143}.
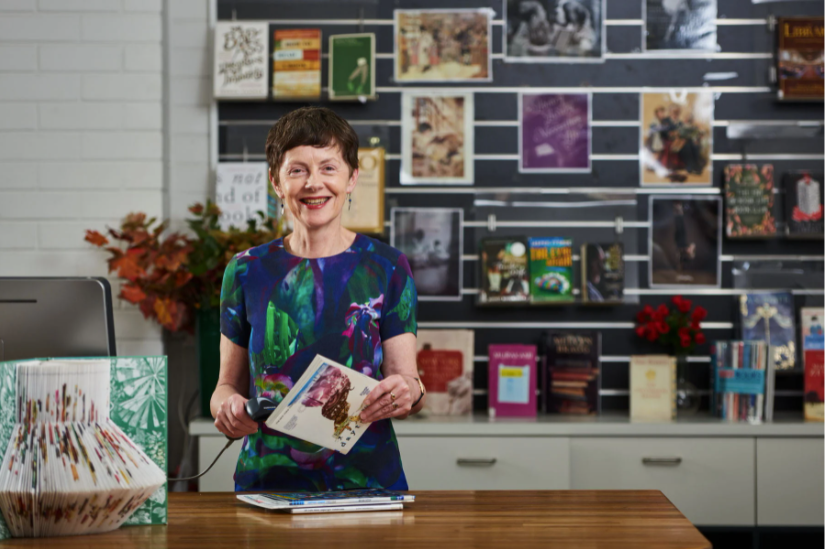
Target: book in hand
{"x": 803, "y": 205}
{"x": 324, "y": 406}
{"x": 602, "y": 268}
{"x": 652, "y": 387}
{"x": 571, "y": 372}
{"x": 512, "y": 381}
{"x": 362, "y": 500}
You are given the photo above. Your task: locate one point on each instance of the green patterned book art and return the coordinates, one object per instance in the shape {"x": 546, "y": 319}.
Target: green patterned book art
{"x": 84, "y": 445}
{"x": 352, "y": 67}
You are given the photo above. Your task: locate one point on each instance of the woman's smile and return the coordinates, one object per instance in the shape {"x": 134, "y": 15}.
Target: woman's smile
{"x": 315, "y": 202}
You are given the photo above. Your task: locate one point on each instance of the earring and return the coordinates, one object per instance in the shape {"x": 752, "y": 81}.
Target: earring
{"x": 282, "y": 208}
{"x": 349, "y": 197}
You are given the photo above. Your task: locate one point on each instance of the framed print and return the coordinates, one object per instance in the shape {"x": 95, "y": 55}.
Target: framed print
{"x": 676, "y": 138}
{"x": 352, "y": 67}
{"x": 685, "y": 241}
{"x": 366, "y": 215}
{"x": 672, "y": 25}
{"x": 433, "y": 240}
{"x": 443, "y": 45}
{"x": 296, "y": 64}
{"x": 240, "y": 64}
{"x": 554, "y": 132}
{"x": 554, "y": 31}
{"x": 437, "y": 138}
{"x": 800, "y": 59}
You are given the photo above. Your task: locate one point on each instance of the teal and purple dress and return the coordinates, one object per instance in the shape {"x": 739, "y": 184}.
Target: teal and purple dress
{"x": 285, "y": 310}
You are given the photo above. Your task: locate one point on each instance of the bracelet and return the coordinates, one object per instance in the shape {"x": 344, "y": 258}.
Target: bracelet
{"x": 421, "y": 389}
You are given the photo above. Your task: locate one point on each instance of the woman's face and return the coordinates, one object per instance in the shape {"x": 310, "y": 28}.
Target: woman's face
{"x": 314, "y": 183}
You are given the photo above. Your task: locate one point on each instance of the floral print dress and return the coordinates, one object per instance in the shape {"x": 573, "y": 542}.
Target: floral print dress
{"x": 286, "y": 310}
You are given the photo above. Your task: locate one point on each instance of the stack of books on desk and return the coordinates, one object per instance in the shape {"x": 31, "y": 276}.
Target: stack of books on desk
{"x": 343, "y": 501}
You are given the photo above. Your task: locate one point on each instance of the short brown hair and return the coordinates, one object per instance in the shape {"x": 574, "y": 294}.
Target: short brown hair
{"x": 314, "y": 127}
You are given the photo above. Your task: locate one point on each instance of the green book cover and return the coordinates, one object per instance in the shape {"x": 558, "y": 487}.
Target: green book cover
{"x": 352, "y": 66}
{"x": 551, "y": 269}
{"x": 138, "y": 406}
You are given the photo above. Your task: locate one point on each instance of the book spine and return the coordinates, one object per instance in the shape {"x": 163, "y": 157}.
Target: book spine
{"x": 346, "y": 509}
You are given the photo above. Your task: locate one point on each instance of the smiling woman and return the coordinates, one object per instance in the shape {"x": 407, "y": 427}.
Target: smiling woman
{"x": 322, "y": 290}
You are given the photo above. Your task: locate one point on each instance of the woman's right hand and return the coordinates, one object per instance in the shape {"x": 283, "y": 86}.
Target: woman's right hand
{"x": 232, "y": 419}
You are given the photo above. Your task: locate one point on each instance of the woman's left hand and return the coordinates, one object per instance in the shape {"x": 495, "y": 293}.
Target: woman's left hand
{"x": 390, "y": 398}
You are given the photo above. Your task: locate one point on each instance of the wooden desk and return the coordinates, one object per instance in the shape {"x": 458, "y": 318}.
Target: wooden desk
{"x": 541, "y": 519}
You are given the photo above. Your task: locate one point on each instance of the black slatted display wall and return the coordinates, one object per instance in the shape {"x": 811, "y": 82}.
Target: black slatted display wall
{"x": 747, "y": 49}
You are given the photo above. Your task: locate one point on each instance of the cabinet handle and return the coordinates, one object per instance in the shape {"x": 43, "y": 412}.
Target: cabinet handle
{"x": 476, "y": 462}
{"x": 669, "y": 462}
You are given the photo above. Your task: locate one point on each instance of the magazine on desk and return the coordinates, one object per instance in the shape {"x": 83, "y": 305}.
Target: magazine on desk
{"x": 341, "y": 498}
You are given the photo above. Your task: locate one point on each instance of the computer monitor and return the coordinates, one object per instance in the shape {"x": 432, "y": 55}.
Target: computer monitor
{"x": 55, "y": 317}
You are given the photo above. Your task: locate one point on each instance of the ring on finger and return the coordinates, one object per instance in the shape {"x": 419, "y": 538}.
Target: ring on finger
{"x": 394, "y": 405}
{"x": 392, "y": 396}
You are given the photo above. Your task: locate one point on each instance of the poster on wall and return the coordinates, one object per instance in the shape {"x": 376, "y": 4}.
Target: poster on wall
{"x": 554, "y": 132}
{"x": 443, "y": 45}
{"x": 352, "y": 67}
{"x": 241, "y": 192}
{"x": 240, "y": 65}
{"x": 433, "y": 240}
{"x": 676, "y": 138}
{"x": 679, "y": 25}
{"x": 801, "y": 58}
{"x": 554, "y": 31}
{"x": 296, "y": 64}
{"x": 437, "y": 138}
{"x": 365, "y": 213}
{"x": 685, "y": 241}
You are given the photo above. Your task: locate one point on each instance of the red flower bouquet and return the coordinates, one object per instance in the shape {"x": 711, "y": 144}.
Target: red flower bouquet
{"x": 679, "y": 329}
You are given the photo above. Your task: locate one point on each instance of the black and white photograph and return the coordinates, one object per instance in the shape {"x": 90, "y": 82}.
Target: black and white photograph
{"x": 553, "y": 31}
{"x": 671, "y": 25}
{"x": 685, "y": 241}
{"x": 432, "y": 240}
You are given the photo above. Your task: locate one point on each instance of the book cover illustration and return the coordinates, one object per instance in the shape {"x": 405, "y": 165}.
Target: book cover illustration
{"x": 801, "y": 67}
{"x": 652, "y": 387}
{"x": 241, "y": 192}
{"x": 602, "y": 268}
{"x": 103, "y": 424}
{"x": 554, "y": 132}
{"x": 504, "y": 276}
{"x": 749, "y": 201}
{"x": 296, "y": 64}
{"x": 679, "y": 25}
{"x": 551, "y": 269}
{"x": 324, "y": 406}
{"x": 740, "y": 380}
{"x": 352, "y": 67}
{"x": 240, "y": 68}
{"x": 512, "y": 381}
{"x": 769, "y": 317}
{"x": 445, "y": 365}
{"x": 813, "y": 355}
{"x": 285, "y": 500}
{"x": 572, "y": 372}
{"x": 803, "y": 204}
{"x": 539, "y": 32}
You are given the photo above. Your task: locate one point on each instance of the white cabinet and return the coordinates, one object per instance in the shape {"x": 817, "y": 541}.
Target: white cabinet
{"x": 486, "y": 463}
{"x": 221, "y": 477}
{"x": 711, "y": 481}
{"x": 789, "y": 480}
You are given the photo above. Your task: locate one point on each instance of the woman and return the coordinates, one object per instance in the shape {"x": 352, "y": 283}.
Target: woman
{"x": 320, "y": 290}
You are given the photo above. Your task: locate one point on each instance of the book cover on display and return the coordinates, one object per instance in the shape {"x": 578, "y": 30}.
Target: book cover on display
{"x": 554, "y": 132}
{"x": 512, "y": 381}
{"x": 445, "y": 366}
{"x": 551, "y": 269}
{"x": 241, "y": 192}
{"x": 740, "y": 377}
{"x": 555, "y": 31}
{"x": 504, "y": 277}
{"x": 240, "y": 64}
{"x": 365, "y": 212}
{"x": 800, "y": 58}
{"x": 813, "y": 355}
{"x": 571, "y": 372}
{"x": 679, "y": 25}
{"x": 296, "y": 64}
{"x": 324, "y": 406}
{"x": 803, "y": 204}
{"x": 769, "y": 317}
{"x": 602, "y": 268}
{"x": 749, "y": 201}
{"x": 352, "y": 67}
{"x": 652, "y": 387}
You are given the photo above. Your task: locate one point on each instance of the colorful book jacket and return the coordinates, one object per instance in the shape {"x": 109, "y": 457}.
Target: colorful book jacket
{"x": 803, "y": 204}
{"x": 769, "y": 317}
{"x": 602, "y": 268}
{"x": 652, "y": 387}
{"x": 240, "y": 68}
{"x": 749, "y": 201}
{"x": 740, "y": 380}
{"x": 571, "y": 372}
{"x": 352, "y": 67}
{"x": 551, "y": 269}
{"x": 137, "y": 409}
{"x": 287, "y": 500}
{"x": 296, "y": 65}
{"x": 324, "y": 406}
{"x": 445, "y": 366}
{"x": 504, "y": 276}
{"x": 813, "y": 355}
{"x": 800, "y": 58}
{"x": 512, "y": 381}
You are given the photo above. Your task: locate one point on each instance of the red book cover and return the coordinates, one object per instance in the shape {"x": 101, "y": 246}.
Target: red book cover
{"x": 814, "y": 385}
{"x": 512, "y": 381}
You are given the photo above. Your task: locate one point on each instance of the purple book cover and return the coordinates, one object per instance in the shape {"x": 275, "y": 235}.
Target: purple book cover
{"x": 512, "y": 381}
{"x": 554, "y": 132}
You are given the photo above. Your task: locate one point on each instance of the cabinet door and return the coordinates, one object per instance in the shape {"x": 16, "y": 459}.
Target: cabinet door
{"x": 711, "y": 481}
{"x": 789, "y": 478}
{"x": 220, "y": 477}
{"x": 485, "y": 463}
